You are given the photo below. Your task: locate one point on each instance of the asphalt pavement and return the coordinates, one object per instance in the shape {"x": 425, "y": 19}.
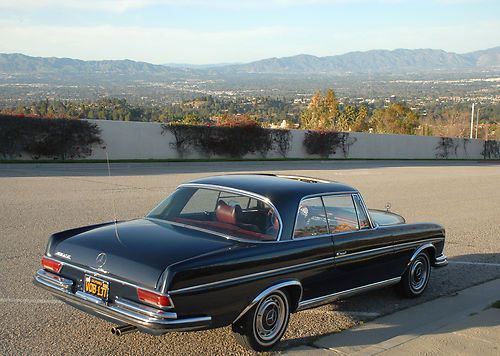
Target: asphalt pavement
{"x": 39, "y": 199}
{"x": 465, "y": 323}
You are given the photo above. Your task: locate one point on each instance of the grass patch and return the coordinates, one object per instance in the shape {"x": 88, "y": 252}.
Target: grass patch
{"x": 496, "y": 304}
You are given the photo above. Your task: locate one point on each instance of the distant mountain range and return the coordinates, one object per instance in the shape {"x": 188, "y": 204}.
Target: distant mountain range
{"x": 20, "y": 63}
{"x": 375, "y": 61}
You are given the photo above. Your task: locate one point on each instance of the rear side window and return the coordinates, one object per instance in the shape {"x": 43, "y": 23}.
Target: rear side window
{"x": 341, "y": 213}
{"x": 224, "y": 212}
{"x": 311, "y": 218}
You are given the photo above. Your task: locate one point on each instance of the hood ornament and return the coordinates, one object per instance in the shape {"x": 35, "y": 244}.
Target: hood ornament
{"x": 100, "y": 260}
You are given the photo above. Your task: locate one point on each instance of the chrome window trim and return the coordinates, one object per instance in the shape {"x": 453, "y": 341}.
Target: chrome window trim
{"x": 262, "y": 198}
{"x": 367, "y": 212}
{"x": 364, "y": 208}
{"x": 297, "y": 266}
{"x": 320, "y": 195}
{"x": 304, "y": 179}
{"x": 297, "y": 217}
{"x": 197, "y": 228}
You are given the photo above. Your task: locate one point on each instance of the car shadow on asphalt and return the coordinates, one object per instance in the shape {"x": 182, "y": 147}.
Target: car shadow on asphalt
{"x": 463, "y": 271}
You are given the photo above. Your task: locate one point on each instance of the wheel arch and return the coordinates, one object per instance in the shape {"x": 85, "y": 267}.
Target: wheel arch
{"x": 427, "y": 247}
{"x": 292, "y": 286}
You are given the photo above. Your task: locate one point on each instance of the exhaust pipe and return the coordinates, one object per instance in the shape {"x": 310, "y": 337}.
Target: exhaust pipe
{"x": 123, "y": 329}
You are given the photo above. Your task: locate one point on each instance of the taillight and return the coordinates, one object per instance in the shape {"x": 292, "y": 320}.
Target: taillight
{"x": 153, "y": 298}
{"x": 51, "y": 265}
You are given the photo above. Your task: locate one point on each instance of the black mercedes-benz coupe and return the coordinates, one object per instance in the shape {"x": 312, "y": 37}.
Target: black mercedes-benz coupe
{"x": 244, "y": 250}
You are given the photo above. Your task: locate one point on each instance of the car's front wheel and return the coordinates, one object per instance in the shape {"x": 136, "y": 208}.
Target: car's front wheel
{"x": 264, "y": 325}
{"x": 416, "y": 277}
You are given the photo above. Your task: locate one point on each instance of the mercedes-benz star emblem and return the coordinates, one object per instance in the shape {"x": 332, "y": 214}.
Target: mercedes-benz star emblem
{"x": 100, "y": 260}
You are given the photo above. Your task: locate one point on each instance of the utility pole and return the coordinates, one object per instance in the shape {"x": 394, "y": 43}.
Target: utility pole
{"x": 472, "y": 120}
{"x": 477, "y": 121}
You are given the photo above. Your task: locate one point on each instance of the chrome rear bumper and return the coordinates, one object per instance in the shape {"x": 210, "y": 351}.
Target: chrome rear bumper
{"x": 120, "y": 311}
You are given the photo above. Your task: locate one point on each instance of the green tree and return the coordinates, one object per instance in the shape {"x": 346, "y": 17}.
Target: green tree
{"x": 191, "y": 119}
{"x": 360, "y": 123}
{"x": 321, "y": 112}
{"x": 396, "y": 118}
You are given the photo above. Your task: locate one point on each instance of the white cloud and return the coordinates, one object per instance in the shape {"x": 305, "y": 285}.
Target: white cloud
{"x": 124, "y": 5}
{"x": 156, "y": 45}
{"x": 166, "y": 45}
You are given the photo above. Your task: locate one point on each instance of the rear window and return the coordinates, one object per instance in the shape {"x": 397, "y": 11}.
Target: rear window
{"x": 219, "y": 211}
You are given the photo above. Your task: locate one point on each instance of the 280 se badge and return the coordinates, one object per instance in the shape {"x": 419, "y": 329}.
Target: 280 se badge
{"x": 239, "y": 250}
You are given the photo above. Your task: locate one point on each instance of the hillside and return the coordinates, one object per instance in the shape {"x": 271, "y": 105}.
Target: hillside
{"x": 375, "y": 61}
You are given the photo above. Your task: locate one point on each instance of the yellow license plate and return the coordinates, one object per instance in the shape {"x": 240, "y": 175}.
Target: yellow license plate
{"x": 97, "y": 287}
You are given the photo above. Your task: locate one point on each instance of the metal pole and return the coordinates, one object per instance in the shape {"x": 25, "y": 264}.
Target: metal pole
{"x": 477, "y": 121}
{"x": 472, "y": 120}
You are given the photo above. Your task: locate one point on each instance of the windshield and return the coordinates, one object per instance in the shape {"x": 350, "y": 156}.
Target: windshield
{"x": 219, "y": 211}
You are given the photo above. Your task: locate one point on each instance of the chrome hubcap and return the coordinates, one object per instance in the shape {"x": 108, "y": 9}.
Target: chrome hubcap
{"x": 270, "y": 318}
{"x": 418, "y": 273}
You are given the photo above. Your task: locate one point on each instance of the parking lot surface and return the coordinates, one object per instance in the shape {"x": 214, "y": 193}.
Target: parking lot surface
{"x": 37, "y": 200}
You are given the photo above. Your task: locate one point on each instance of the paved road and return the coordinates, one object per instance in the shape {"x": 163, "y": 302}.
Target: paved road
{"x": 36, "y": 200}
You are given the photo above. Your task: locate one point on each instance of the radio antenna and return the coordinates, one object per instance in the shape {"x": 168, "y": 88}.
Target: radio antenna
{"x": 112, "y": 197}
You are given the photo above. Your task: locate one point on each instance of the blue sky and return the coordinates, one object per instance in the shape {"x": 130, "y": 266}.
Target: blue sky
{"x": 222, "y": 31}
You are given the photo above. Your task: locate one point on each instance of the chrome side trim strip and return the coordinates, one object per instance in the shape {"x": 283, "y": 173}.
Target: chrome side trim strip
{"x": 252, "y": 275}
{"x": 306, "y": 304}
{"x": 297, "y": 266}
{"x": 268, "y": 291}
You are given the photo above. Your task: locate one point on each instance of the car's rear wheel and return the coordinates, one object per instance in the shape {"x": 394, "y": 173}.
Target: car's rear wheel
{"x": 264, "y": 325}
{"x": 416, "y": 277}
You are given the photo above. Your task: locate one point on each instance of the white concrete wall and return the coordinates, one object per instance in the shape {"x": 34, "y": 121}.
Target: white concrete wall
{"x": 139, "y": 140}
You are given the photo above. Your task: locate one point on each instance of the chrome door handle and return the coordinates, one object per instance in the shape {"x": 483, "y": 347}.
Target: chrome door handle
{"x": 341, "y": 253}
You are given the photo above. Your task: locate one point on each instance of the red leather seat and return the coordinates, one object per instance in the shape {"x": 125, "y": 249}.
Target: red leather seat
{"x": 226, "y": 213}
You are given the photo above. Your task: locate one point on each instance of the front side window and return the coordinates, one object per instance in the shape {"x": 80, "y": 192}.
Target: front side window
{"x": 341, "y": 213}
{"x": 311, "y": 218}
{"x": 220, "y": 211}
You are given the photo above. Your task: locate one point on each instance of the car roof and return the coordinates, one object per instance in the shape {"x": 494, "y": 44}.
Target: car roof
{"x": 276, "y": 187}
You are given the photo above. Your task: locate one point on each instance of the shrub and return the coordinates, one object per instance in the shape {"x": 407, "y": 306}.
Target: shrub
{"x": 281, "y": 141}
{"x": 326, "y": 143}
{"x": 491, "y": 149}
{"x": 229, "y": 138}
{"x": 51, "y": 138}
{"x": 445, "y": 147}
